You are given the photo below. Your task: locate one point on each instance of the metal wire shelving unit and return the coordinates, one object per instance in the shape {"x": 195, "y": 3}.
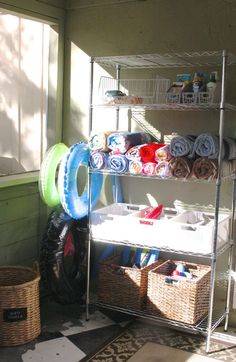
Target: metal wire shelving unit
{"x": 178, "y": 60}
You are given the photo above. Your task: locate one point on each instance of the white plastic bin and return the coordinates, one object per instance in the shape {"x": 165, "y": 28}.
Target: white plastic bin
{"x": 111, "y": 222}
{"x": 187, "y": 232}
{"x": 196, "y": 231}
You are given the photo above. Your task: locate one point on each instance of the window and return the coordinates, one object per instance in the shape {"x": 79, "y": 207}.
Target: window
{"x": 24, "y": 82}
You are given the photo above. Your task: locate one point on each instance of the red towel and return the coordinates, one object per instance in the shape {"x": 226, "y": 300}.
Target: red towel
{"x": 147, "y": 152}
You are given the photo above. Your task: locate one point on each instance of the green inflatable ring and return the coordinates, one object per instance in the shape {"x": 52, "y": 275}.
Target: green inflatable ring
{"x": 47, "y": 175}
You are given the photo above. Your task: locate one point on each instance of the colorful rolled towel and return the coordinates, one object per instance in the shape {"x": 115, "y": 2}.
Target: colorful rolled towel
{"x": 133, "y": 153}
{"x": 98, "y": 160}
{"x": 163, "y": 169}
{"x": 147, "y": 152}
{"x": 149, "y": 168}
{"x": 121, "y": 142}
{"x": 98, "y": 141}
{"x": 118, "y": 163}
{"x": 181, "y": 167}
{"x": 182, "y": 146}
{"x": 163, "y": 153}
{"x": 135, "y": 167}
{"x": 207, "y": 145}
{"x": 205, "y": 169}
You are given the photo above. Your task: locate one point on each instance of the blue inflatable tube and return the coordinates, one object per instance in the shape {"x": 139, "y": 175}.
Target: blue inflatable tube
{"x": 74, "y": 204}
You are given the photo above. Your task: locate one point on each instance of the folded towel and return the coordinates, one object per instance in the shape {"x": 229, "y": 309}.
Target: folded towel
{"x": 149, "y": 168}
{"x": 207, "y": 145}
{"x": 98, "y": 160}
{"x": 121, "y": 142}
{"x": 182, "y": 145}
{"x": 98, "y": 141}
{"x": 163, "y": 169}
{"x": 205, "y": 169}
{"x": 118, "y": 163}
{"x": 135, "y": 167}
{"x": 147, "y": 152}
{"x": 163, "y": 153}
{"x": 181, "y": 167}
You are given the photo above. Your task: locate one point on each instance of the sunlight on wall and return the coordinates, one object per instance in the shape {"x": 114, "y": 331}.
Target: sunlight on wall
{"x": 24, "y": 46}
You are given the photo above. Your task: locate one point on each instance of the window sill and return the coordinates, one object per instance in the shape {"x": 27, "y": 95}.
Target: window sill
{"x": 14, "y": 180}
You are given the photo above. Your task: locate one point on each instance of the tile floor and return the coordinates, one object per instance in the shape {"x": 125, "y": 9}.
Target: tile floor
{"x": 67, "y": 337}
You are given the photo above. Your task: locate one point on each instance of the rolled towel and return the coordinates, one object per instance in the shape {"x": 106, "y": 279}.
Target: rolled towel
{"x": 163, "y": 169}
{"x": 98, "y": 160}
{"x": 163, "y": 153}
{"x": 121, "y": 142}
{"x": 149, "y": 168}
{"x": 181, "y": 167}
{"x": 182, "y": 146}
{"x": 133, "y": 153}
{"x": 230, "y": 148}
{"x": 147, "y": 152}
{"x": 135, "y": 167}
{"x": 207, "y": 145}
{"x": 118, "y": 163}
{"x": 98, "y": 141}
{"x": 205, "y": 169}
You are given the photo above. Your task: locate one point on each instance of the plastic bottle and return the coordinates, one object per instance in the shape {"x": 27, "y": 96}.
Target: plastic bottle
{"x": 214, "y": 87}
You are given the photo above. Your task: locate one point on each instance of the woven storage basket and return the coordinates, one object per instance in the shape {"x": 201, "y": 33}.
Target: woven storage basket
{"x": 123, "y": 286}
{"x": 19, "y": 305}
{"x": 186, "y": 301}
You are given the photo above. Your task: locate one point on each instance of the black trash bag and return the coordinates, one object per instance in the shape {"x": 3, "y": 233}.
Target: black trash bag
{"x": 63, "y": 257}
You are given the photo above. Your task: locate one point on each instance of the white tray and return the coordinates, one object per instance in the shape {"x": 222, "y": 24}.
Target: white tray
{"x": 111, "y": 222}
{"x": 181, "y": 232}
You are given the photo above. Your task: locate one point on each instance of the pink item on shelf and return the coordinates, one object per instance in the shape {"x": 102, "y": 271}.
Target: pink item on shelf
{"x": 163, "y": 169}
{"x": 155, "y": 213}
{"x": 135, "y": 167}
{"x": 163, "y": 154}
{"x": 147, "y": 152}
{"x": 149, "y": 168}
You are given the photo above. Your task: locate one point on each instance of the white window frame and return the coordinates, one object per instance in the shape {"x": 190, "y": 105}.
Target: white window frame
{"x": 54, "y": 113}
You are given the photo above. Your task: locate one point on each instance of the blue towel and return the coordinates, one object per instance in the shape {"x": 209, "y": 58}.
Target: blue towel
{"x": 118, "y": 163}
{"x": 207, "y": 145}
{"x": 121, "y": 142}
{"x": 182, "y": 146}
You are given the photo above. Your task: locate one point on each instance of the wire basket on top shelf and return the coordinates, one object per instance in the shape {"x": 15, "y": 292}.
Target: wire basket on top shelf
{"x": 180, "y": 299}
{"x": 133, "y": 91}
{"x": 19, "y": 305}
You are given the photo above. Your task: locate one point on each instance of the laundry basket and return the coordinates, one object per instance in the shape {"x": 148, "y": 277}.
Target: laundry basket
{"x": 19, "y": 305}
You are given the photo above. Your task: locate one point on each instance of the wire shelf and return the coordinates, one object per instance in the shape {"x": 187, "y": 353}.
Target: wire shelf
{"x": 200, "y": 327}
{"x": 219, "y": 251}
{"x": 166, "y": 60}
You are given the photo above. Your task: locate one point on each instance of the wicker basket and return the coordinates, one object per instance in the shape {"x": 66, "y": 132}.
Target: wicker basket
{"x": 184, "y": 301}
{"x": 19, "y": 305}
{"x": 123, "y": 286}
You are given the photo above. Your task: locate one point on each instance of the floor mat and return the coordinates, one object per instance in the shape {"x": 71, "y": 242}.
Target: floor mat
{"x": 155, "y": 352}
{"x": 130, "y": 342}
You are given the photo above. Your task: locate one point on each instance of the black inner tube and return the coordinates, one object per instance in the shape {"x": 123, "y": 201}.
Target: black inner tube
{"x": 63, "y": 257}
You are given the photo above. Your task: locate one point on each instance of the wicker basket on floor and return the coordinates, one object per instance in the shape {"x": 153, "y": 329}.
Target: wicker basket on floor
{"x": 184, "y": 301}
{"x": 19, "y": 305}
{"x": 123, "y": 286}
